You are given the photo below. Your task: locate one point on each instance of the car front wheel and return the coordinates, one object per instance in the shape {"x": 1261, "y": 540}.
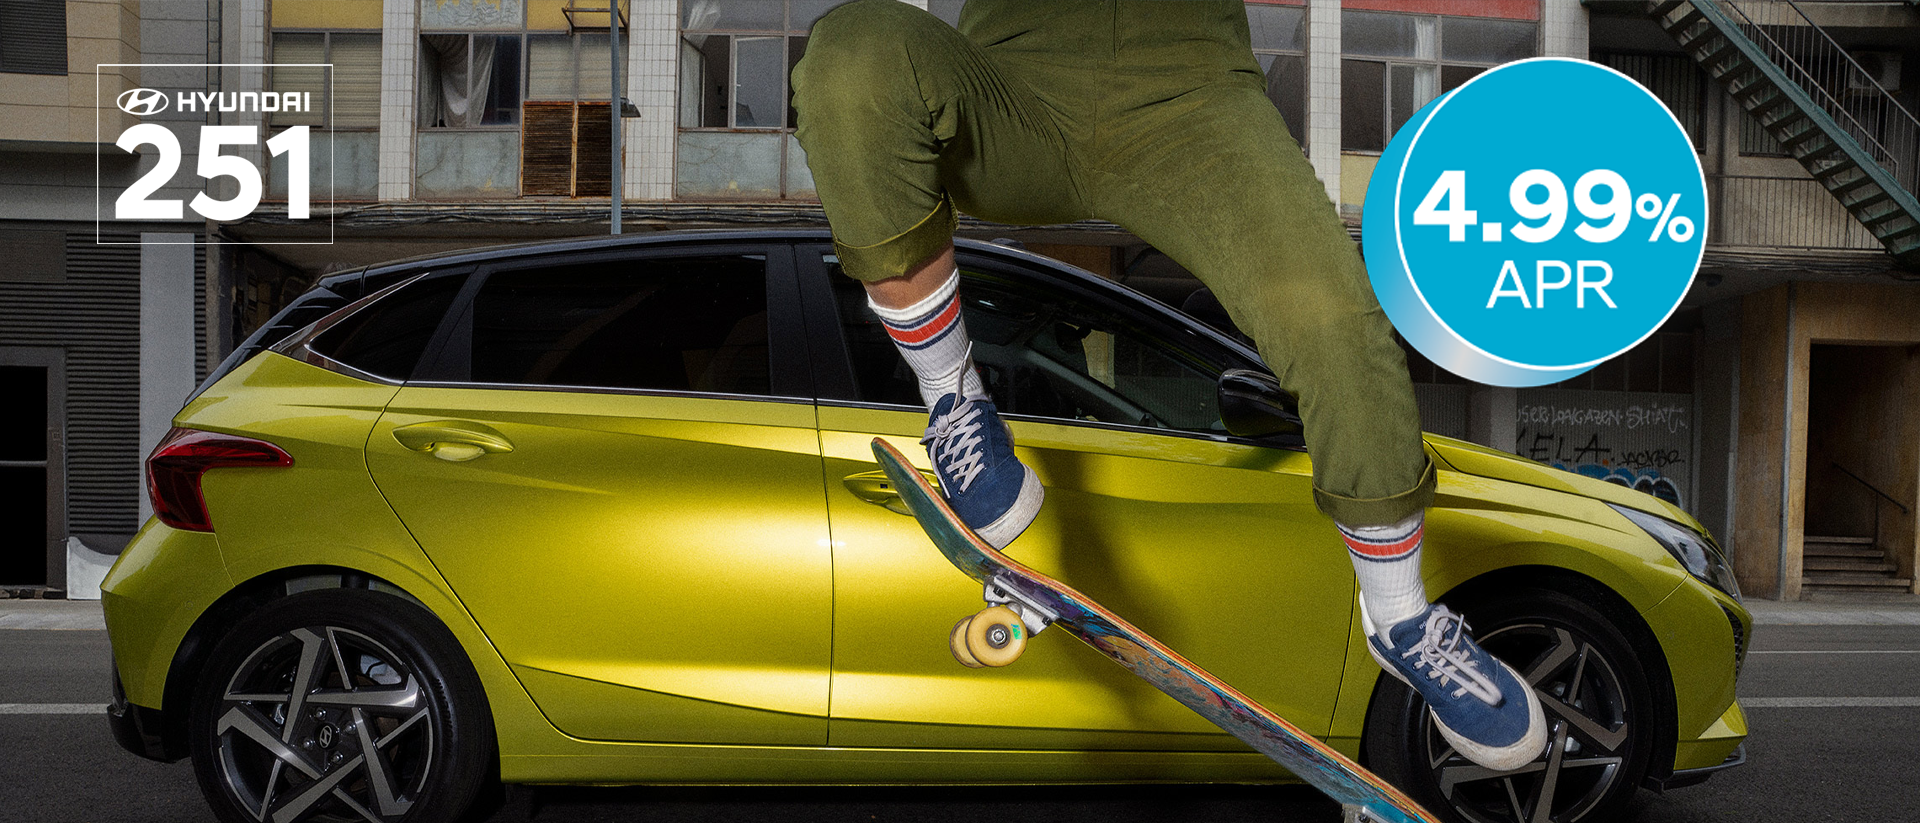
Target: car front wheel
{"x": 1600, "y": 720}
{"x": 340, "y": 705}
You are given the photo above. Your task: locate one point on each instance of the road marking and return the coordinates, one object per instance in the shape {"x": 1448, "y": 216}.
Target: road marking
{"x": 1830, "y": 702}
{"x": 53, "y": 708}
{"x": 1840, "y": 651}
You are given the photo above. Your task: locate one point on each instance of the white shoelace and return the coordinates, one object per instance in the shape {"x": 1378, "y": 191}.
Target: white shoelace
{"x": 956, "y": 443}
{"x": 955, "y": 436}
{"x": 1439, "y": 652}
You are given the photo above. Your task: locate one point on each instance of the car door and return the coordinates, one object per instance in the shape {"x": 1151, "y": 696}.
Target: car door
{"x": 1210, "y": 544}
{"x": 612, "y": 460}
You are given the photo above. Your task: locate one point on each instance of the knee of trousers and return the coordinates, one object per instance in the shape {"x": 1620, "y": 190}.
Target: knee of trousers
{"x": 859, "y": 56}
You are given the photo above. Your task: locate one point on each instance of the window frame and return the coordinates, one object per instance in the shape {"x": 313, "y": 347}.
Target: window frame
{"x": 1299, "y": 130}
{"x": 788, "y": 35}
{"x": 326, "y": 56}
{"x": 445, "y": 363}
{"x": 834, "y": 370}
{"x": 52, "y": 16}
{"x": 1438, "y": 63}
{"x": 576, "y": 41}
{"x": 520, "y": 78}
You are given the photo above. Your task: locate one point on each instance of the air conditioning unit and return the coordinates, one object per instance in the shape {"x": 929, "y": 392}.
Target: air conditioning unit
{"x": 1882, "y": 66}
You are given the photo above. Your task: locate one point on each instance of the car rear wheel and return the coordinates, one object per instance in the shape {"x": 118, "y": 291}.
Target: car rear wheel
{"x": 340, "y": 705}
{"x": 1600, "y": 720}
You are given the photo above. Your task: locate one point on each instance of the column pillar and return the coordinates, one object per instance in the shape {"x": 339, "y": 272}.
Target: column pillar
{"x": 399, "y": 48}
{"x": 1563, "y": 25}
{"x": 653, "y": 82}
{"x": 1323, "y": 93}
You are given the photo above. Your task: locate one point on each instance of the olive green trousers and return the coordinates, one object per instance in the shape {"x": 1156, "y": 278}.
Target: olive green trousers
{"x": 1151, "y": 114}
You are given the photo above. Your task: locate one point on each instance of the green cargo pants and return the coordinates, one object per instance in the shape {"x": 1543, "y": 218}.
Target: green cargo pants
{"x": 1147, "y": 113}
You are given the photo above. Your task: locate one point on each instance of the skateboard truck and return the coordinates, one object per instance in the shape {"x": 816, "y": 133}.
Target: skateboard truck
{"x": 998, "y": 634}
{"x": 1037, "y": 617}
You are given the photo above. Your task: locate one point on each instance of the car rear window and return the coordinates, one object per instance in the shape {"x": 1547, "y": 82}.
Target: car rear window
{"x": 387, "y": 337}
{"x": 676, "y": 324}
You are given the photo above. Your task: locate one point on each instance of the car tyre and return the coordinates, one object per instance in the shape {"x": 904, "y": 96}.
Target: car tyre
{"x": 341, "y": 704}
{"x": 1601, "y": 722}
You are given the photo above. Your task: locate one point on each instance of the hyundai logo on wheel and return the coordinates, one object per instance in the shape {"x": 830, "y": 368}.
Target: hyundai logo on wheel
{"x": 142, "y": 102}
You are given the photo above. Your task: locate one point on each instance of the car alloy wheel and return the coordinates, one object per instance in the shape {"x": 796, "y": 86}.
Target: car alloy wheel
{"x": 340, "y": 705}
{"x": 1599, "y": 721}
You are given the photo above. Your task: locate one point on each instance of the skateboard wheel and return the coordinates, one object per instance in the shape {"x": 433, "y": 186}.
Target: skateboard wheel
{"x": 996, "y": 636}
{"x": 957, "y": 643}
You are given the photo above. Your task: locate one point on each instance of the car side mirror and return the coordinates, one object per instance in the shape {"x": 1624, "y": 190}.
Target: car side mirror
{"x": 1252, "y": 404}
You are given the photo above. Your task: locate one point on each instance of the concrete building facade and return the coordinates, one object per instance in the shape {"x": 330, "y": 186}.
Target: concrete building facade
{"x": 1775, "y": 405}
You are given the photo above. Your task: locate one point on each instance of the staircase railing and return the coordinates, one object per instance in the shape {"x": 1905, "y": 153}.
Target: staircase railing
{"x": 1879, "y": 496}
{"x": 1869, "y": 114}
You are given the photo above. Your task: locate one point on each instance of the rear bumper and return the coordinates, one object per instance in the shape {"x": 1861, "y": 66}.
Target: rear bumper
{"x": 138, "y": 728}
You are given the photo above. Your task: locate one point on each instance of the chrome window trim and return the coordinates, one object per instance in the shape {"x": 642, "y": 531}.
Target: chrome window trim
{"x": 1091, "y": 424}
{"x": 550, "y": 387}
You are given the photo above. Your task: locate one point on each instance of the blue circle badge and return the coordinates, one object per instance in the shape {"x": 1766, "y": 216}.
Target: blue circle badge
{"x": 1539, "y": 219}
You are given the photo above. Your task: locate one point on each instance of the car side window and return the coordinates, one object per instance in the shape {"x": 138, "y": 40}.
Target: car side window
{"x": 386, "y": 337}
{"x": 694, "y": 324}
{"x": 1043, "y": 354}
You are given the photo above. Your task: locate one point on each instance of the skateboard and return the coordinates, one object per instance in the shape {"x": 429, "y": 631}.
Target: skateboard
{"x": 1023, "y": 602}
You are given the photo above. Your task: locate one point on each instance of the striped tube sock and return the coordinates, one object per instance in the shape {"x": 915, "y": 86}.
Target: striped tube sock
{"x": 1387, "y": 561}
{"x": 932, "y": 336}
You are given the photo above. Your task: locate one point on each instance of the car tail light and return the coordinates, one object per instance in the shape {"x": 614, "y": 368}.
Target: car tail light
{"x": 174, "y": 470}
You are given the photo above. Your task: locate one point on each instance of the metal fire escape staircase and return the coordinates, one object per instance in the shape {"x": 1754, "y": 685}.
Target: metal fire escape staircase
{"x": 1775, "y": 69}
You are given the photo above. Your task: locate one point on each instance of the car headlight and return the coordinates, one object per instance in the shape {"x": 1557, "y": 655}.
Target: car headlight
{"x": 1696, "y": 553}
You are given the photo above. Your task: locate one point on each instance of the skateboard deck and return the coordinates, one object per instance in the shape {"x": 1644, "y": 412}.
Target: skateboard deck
{"x": 1333, "y": 773}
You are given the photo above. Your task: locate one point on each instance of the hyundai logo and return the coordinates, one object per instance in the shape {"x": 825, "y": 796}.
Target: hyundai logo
{"x": 142, "y": 102}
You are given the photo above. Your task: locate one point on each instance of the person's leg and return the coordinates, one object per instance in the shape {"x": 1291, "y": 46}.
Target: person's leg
{"x": 901, "y": 116}
{"x": 1219, "y": 186}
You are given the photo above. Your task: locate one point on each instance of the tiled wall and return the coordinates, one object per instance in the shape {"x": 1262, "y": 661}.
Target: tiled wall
{"x": 653, "y": 71}
{"x": 400, "y": 41}
{"x": 1323, "y": 92}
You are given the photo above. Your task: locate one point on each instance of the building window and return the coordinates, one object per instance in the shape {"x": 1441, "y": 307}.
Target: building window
{"x": 575, "y": 66}
{"x": 33, "y": 36}
{"x": 1280, "y": 44}
{"x": 734, "y": 59}
{"x": 354, "y": 102}
{"x": 1396, "y": 63}
{"x": 469, "y": 80}
{"x": 736, "y": 124}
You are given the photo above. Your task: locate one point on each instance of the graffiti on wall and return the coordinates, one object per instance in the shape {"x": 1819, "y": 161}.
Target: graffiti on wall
{"x": 1641, "y": 440}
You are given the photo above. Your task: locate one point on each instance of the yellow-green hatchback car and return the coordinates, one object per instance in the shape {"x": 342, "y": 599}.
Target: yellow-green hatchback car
{"x": 604, "y": 511}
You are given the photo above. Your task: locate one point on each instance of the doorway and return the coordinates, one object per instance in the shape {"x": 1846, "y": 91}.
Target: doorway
{"x": 32, "y": 472}
{"x": 1860, "y": 469}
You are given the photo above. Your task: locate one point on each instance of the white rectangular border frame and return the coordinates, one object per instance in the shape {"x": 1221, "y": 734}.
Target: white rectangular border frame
{"x": 98, "y": 150}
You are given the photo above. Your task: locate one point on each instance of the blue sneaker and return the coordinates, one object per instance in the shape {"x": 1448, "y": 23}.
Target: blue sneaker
{"x": 1482, "y": 706}
{"x": 993, "y": 492}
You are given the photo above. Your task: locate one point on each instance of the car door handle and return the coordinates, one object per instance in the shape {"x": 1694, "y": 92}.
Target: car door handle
{"x": 452, "y": 440}
{"x": 877, "y": 488}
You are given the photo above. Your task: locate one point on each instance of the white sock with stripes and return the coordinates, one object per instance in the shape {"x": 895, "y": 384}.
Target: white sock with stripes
{"x": 932, "y": 336}
{"x": 1387, "y": 561}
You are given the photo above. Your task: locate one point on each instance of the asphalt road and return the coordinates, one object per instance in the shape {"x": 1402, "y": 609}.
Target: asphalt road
{"x": 1834, "y": 705}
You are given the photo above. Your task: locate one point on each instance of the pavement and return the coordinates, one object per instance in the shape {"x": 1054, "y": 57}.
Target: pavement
{"x": 1828, "y": 687}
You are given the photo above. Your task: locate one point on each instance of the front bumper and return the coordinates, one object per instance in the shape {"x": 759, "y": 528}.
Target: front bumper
{"x": 1693, "y": 777}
